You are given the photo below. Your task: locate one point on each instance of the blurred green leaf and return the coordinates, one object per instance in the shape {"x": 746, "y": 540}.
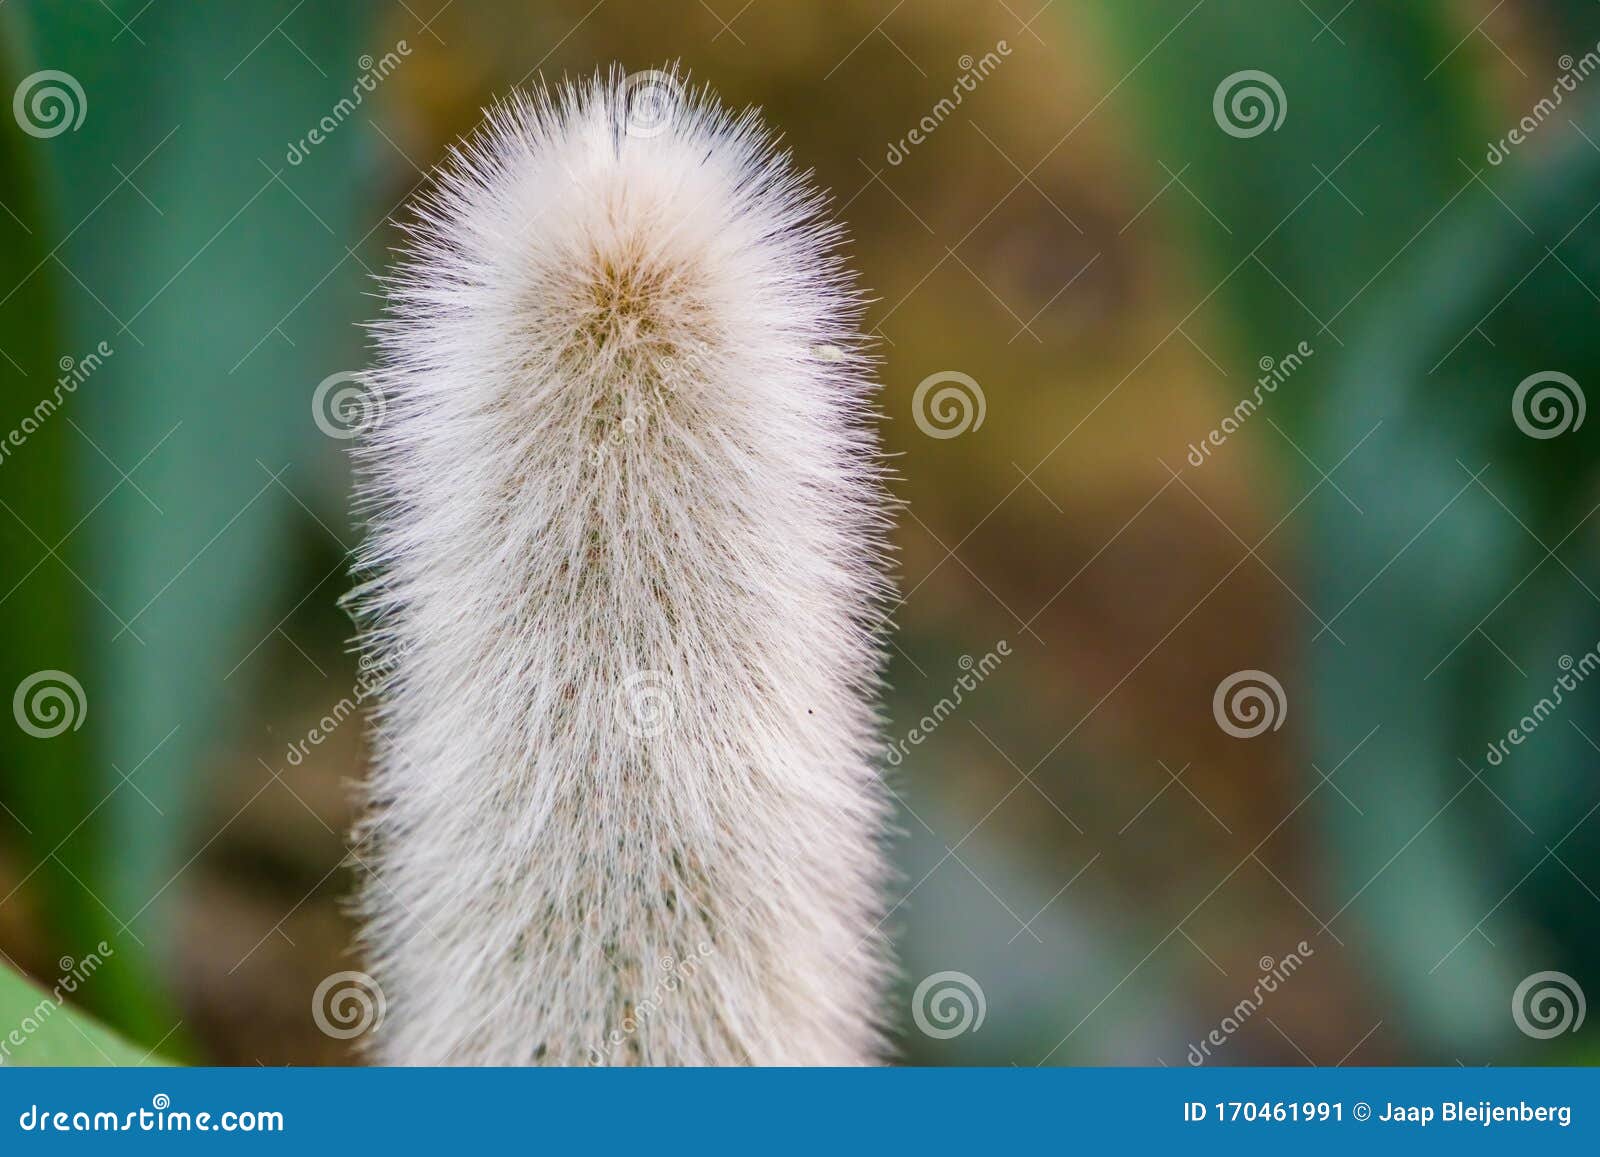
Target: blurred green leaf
{"x": 1365, "y": 224}
{"x": 1299, "y": 189}
{"x": 1482, "y": 541}
{"x": 55, "y": 1034}
{"x": 221, "y": 275}
{"x": 47, "y": 784}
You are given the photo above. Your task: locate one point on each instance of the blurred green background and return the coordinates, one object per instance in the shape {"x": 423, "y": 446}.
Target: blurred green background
{"x": 1113, "y": 256}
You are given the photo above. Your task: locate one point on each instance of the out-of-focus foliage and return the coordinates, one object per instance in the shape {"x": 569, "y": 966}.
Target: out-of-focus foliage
{"x": 46, "y": 785}
{"x": 50, "y": 1032}
{"x": 1430, "y": 283}
{"x": 179, "y": 236}
{"x": 1474, "y": 621}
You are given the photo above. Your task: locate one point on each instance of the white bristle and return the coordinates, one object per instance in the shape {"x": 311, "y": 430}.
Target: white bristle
{"x": 626, "y": 578}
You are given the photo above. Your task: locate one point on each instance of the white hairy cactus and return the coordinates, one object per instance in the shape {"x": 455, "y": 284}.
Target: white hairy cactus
{"x": 625, "y": 579}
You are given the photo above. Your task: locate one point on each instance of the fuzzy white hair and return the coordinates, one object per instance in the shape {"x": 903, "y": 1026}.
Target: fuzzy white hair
{"x": 626, "y": 578}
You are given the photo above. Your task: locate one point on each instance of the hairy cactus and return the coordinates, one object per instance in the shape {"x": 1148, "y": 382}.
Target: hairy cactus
{"x": 625, "y": 576}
